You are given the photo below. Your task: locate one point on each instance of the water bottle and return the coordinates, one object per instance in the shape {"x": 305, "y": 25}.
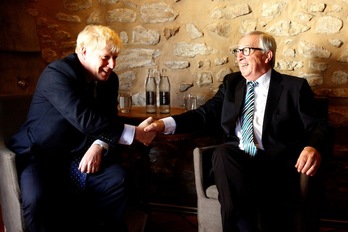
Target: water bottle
{"x": 164, "y": 92}
{"x": 150, "y": 89}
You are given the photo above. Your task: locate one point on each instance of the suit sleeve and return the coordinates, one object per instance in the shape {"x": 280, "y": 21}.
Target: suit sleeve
{"x": 319, "y": 130}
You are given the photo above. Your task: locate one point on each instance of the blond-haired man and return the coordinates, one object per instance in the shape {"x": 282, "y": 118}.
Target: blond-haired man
{"x": 67, "y": 149}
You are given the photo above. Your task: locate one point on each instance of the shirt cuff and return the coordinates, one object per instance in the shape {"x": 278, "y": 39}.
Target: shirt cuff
{"x": 169, "y": 125}
{"x": 127, "y": 136}
{"x": 102, "y": 144}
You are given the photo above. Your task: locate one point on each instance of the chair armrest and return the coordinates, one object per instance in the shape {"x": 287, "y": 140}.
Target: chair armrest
{"x": 10, "y": 200}
{"x": 202, "y": 166}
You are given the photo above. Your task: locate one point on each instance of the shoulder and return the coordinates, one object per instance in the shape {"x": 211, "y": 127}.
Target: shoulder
{"x": 289, "y": 83}
{"x": 233, "y": 78}
{"x": 285, "y": 76}
{"x": 68, "y": 66}
{"x": 70, "y": 62}
{"x": 63, "y": 71}
{"x": 287, "y": 79}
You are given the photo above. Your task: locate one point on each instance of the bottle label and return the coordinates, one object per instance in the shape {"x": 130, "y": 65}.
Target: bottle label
{"x": 150, "y": 98}
{"x": 164, "y": 98}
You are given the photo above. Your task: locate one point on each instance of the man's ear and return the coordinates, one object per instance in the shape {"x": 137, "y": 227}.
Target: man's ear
{"x": 269, "y": 56}
{"x": 83, "y": 52}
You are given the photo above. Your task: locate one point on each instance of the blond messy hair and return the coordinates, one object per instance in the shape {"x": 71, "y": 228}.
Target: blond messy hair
{"x": 98, "y": 37}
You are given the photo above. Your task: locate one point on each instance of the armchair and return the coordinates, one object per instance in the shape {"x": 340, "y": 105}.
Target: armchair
{"x": 208, "y": 206}
{"x": 13, "y": 111}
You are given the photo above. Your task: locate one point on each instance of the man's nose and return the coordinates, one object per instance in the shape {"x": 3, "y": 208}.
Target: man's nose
{"x": 112, "y": 63}
{"x": 240, "y": 54}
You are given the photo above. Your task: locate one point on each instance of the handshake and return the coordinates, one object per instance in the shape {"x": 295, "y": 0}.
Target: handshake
{"x": 146, "y": 131}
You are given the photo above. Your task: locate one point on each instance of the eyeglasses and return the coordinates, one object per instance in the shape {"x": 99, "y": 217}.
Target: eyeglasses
{"x": 245, "y": 51}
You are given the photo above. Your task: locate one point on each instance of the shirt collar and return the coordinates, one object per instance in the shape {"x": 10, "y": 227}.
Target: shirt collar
{"x": 264, "y": 80}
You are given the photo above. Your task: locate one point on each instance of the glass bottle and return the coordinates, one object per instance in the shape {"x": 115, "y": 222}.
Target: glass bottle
{"x": 164, "y": 92}
{"x": 150, "y": 91}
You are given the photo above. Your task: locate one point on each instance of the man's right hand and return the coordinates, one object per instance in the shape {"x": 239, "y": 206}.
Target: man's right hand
{"x": 145, "y": 138}
{"x": 156, "y": 126}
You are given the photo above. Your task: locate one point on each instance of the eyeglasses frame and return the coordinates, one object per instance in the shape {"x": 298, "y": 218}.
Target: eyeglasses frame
{"x": 242, "y": 50}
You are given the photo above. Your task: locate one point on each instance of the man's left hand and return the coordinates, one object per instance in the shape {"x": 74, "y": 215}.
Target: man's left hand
{"x": 91, "y": 161}
{"x": 309, "y": 161}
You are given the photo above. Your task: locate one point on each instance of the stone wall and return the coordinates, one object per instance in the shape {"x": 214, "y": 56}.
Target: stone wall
{"x": 192, "y": 39}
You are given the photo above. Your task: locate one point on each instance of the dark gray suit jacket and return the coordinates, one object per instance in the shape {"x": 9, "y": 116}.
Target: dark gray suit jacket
{"x": 290, "y": 121}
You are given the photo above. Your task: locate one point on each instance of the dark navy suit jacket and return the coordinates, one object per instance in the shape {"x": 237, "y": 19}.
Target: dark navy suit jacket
{"x": 290, "y": 120}
{"x": 63, "y": 112}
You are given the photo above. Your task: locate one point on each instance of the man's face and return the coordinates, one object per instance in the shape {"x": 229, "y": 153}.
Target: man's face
{"x": 99, "y": 63}
{"x": 255, "y": 64}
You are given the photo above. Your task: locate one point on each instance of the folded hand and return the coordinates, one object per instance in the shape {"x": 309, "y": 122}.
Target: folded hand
{"x": 91, "y": 161}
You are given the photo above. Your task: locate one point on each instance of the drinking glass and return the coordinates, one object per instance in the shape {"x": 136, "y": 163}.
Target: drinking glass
{"x": 125, "y": 102}
{"x": 190, "y": 101}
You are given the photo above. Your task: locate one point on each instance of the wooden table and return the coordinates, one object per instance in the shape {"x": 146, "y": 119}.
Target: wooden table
{"x": 139, "y": 113}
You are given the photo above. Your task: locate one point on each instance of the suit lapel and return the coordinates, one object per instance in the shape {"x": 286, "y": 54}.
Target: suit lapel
{"x": 239, "y": 94}
{"x": 274, "y": 92}
{"x": 232, "y": 102}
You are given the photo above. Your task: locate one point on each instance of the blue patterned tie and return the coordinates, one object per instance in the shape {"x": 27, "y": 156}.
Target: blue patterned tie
{"x": 247, "y": 120}
{"x": 77, "y": 177}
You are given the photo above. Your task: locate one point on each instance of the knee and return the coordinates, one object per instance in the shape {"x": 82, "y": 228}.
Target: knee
{"x": 33, "y": 202}
{"x": 119, "y": 181}
{"x": 119, "y": 176}
{"x": 115, "y": 179}
{"x": 219, "y": 154}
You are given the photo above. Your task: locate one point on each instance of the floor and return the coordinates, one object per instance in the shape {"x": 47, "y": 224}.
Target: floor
{"x": 185, "y": 220}
{"x": 171, "y": 222}
{"x": 174, "y": 221}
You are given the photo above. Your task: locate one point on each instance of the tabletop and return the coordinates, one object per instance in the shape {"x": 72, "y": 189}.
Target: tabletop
{"x": 139, "y": 113}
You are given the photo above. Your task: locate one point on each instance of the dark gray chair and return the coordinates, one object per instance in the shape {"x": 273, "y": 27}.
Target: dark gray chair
{"x": 13, "y": 110}
{"x": 208, "y": 206}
